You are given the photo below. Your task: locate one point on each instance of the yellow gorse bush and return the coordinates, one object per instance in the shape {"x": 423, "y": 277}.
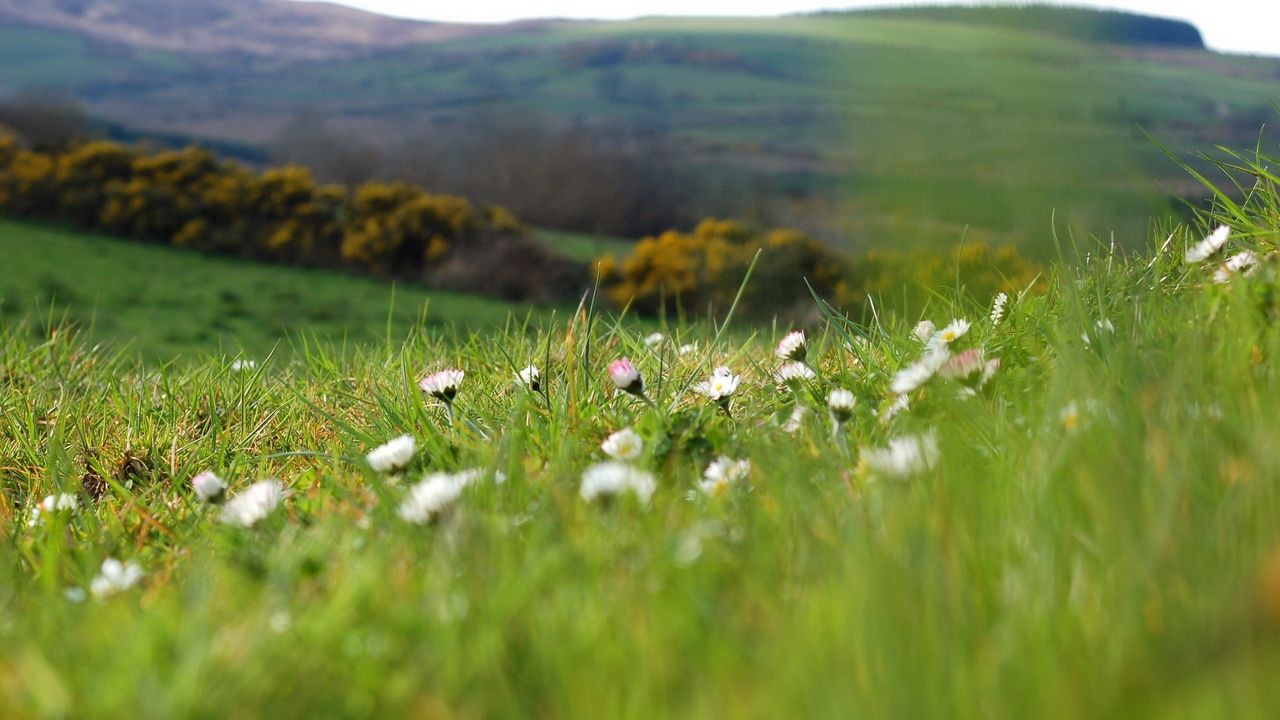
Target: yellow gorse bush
{"x": 705, "y": 269}
{"x": 193, "y": 199}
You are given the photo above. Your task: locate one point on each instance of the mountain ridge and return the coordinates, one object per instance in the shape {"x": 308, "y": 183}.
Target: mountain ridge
{"x": 265, "y": 28}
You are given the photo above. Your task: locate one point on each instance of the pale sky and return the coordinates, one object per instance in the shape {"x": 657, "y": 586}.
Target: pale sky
{"x": 1247, "y": 26}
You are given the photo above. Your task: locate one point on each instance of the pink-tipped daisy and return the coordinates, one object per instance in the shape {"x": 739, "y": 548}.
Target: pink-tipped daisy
{"x": 626, "y": 377}
{"x": 792, "y": 347}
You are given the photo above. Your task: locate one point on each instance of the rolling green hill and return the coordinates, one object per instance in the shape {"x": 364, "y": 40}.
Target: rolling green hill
{"x": 873, "y": 129}
{"x": 158, "y": 302}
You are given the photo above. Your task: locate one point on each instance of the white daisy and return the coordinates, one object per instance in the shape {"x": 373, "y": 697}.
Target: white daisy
{"x": 530, "y": 377}
{"x": 900, "y": 403}
{"x": 840, "y": 402}
{"x": 950, "y": 333}
{"x": 393, "y": 455}
{"x": 654, "y": 339}
{"x": 794, "y": 372}
{"x": 254, "y": 504}
{"x": 242, "y": 365}
{"x": 608, "y": 479}
{"x": 626, "y": 444}
{"x": 1204, "y": 249}
{"x": 903, "y": 457}
{"x": 626, "y": 377}
{"x": 52, "y": 504}
{"x": 1242, "y": 263}
{"x": 115, "y": 577}
{"x": 795, "y": 419}
{"x": 442, "y": 385}
{"x": 997, "y": 308}
{"x": 793, "y": 346}
{"x": 723, "y": 472}
{"x": 209, "y": 487}
{"x": 433, "y": 495}
{"x": 722, "y": 385}
{"x": 687, "y": 348}
{"x": 917, "y": 374}
{"x": 924, "y": 330}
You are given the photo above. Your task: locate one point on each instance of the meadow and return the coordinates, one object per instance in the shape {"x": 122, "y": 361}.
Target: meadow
{"x": 160, "y": 303}
{"x": 1089, "y": 527}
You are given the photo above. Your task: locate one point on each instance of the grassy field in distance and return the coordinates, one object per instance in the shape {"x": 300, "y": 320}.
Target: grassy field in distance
{"x": 163, "y": 302}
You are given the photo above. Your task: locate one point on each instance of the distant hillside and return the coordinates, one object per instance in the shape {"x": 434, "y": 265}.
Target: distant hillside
{"x": 266, "y": 28}
{"x": 1087, "y": 24}
{"x": 914, "y": 127}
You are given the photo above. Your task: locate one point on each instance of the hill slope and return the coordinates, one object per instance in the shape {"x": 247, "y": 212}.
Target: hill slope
{"x": 263, "y": 28}
{"x": 869, "y": 128}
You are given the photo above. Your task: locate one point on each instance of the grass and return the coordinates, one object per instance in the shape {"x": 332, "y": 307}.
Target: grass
{"x": 913, "y": 128}
{"x": 159, "y": 302}
{"x": 1099, "y": 535}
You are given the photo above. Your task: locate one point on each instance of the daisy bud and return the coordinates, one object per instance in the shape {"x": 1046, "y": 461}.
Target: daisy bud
{"x": 924, "y": 330}
{"x": 792, "y": 347}
{"x": 626, "y": 377}
{"x": 209, "y": 487}
{"x": 840, "y": 402}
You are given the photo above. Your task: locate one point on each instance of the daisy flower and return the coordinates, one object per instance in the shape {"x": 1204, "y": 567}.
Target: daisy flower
{"x": 794, "y": 372}
{"x": 530, "y": 377}
{"x": 792, "y": 347}
{"x": 903, "y": 457}
{"x": 963, "y": 365}
{"x": 900, "y": 403}
{"x": 687, "y": 348}
{"x": 626, "y": 444}
{"x": 924, "y": 330}
{"x": 242, "y": 365}
{"x": 209, "y": 487}
{"x": 393, "y": 455}
{"x": 654, "y": 339}
{"x": 254, "y": 504}
{"x": 1070, "y": 417}
{"x": 919, "y": 373}
{"x": 950, "y": 333}
{"x": 115, "y": 577}
{"x": 443, "y": 385}
{"x": 1204, "y": 249}
{"x": 52, "y": 504}
{"x": 606, "y": 480}
{"x": 722, "y": 385}
{"x": 434, "y": 495}
{"x": 626, "y": 377}
{"x": 795, "y": 419}
{"x": 722, "y": 473}
{"x": 1244, "y": 262}
{"x": 840, "y": 403}
{"x": 997, "y": 308}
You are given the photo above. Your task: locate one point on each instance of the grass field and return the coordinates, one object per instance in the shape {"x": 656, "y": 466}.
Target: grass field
{"x": 884, "y": 129}
{"x": 1089, "y": 530}
{"x": 158, "y": 302}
